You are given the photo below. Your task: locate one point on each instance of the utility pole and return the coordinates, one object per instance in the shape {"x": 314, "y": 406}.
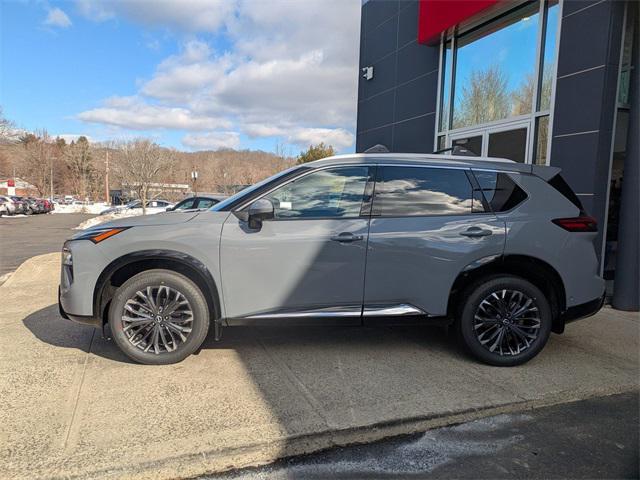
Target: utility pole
{"x": 51, "y": 179}
{"x": 194, "y": 178}
{"x": 107, "y": 197}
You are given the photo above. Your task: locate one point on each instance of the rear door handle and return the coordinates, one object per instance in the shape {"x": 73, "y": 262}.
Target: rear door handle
{"x": 346, "y": 237}
{"x": 475, "y": 232}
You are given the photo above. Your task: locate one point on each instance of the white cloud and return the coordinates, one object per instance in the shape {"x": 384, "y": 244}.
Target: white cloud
{"x": 57, "y": 18}
{"x": 290, "y": 70}
{"x": 212, "y": 141}
{"x": 181, "y": 15}
{"x": 338, "y": 137}
{"x": 129, "y": 112}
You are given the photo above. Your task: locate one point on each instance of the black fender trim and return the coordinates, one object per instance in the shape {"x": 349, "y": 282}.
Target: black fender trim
{"x": 212, "y": 296}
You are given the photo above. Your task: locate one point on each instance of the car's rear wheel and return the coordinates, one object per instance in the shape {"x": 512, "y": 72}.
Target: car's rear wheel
{"x": 159, "y": 317}
{"x": 505, "y": 320}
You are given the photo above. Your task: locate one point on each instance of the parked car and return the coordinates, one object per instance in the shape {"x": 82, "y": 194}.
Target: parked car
{"x": 200, "y": 202}
{"x": 4, "y": 209}
{"x": 157, "y": 204}
{"x": 9, "y": 205}
{"x": 502, "y": 250}
{"x": 35, "y": 205}
{"x": 22, "y": 206}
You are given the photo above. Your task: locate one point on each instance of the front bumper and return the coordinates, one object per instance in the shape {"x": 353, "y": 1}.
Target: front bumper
{"x": 85, "y": 320}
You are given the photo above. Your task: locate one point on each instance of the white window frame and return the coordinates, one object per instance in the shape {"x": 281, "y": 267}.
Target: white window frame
{"x": 529, "y": 119}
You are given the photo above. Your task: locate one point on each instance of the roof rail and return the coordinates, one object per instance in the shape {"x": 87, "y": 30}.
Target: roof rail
{"x": 377, "y": 148}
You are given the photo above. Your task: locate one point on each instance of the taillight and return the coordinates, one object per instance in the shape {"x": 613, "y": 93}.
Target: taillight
{"x": 583, "y": 223}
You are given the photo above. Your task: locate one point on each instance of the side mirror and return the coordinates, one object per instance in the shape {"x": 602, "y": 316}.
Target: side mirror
{"x": 258, "y": 212}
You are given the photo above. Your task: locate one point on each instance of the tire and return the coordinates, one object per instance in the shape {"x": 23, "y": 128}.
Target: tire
{"x": 478, "y": 320}
{"x": 162, "y": 285}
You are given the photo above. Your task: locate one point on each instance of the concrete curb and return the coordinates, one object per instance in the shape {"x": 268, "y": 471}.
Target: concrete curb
{"x": 214, "y": 462}
{"x": 5, "y": 277}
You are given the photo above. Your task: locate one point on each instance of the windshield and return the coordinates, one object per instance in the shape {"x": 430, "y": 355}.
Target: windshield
{"x": 247, "y": 191}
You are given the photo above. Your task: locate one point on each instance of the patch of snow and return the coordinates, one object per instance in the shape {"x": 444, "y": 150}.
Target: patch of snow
{"x": 127, "y": 212}
{"x": 92, "y": 208}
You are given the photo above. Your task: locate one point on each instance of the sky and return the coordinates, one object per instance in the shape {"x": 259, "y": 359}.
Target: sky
{"x": 190, "y": 74}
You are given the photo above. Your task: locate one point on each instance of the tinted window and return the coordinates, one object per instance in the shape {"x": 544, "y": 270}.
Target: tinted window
{"x": 335, "y": 192}
{"x": 500, "y": 191}
{"x": 563, "y": 187}
{"x": 206, "y": 203}
{"x": 186, "y": 204}
{"x": 411, "y": 191}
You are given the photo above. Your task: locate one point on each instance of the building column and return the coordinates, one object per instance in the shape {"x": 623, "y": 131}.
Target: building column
{"x": 626, "y": 291}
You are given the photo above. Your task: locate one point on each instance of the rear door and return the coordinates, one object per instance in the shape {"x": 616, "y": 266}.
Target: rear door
{"x": 428, "y": 224}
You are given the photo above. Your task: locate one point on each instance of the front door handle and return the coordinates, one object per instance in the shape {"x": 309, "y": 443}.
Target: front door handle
{"x": 476, "y": 232}
{"x": 346, "y": 237}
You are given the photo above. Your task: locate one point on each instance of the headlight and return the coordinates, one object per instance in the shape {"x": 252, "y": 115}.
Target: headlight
{"x": 99, "y": 234}
{"x": 67, "y": 259}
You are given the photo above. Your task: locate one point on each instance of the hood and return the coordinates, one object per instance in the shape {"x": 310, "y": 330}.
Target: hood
{"x": 169, "y": 218}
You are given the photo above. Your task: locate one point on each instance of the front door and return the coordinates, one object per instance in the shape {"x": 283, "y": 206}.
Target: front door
{"x": 427, "y": 225}
{"x": 309, "y": 260}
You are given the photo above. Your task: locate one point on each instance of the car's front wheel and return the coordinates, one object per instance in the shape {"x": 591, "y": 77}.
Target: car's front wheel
{"x": 159, "y": 317}
{"x": 505, "y": 320}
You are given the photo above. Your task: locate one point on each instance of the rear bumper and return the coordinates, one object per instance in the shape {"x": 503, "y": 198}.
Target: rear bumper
{"x": 583, "y": 310}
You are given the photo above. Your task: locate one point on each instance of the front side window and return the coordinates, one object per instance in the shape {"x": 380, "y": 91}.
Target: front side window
{"x": 420, "y": 191}
{"x": 334, "y": 192}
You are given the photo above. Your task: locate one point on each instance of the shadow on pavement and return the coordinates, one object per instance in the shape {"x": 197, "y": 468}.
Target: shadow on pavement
{"x": 49, "y": 327}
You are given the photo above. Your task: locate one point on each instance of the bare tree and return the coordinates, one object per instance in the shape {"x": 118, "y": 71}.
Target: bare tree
{"x": 79, "y": 160}
{"x": 485, "y": 98}
{"x": 141, "y": 167}
{"x": 7, "y": 127}
{"x": 35, "y": 167}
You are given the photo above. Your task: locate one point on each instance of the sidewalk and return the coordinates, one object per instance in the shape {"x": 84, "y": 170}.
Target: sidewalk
{"x": 74, "y": 406}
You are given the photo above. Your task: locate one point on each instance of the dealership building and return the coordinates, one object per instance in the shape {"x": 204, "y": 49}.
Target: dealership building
{"x": 548, "y": 82}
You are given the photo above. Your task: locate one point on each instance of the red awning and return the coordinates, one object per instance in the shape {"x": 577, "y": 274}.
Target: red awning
{"x": 436, "y": 16}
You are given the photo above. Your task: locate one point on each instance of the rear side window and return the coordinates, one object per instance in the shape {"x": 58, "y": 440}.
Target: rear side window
{"x": 563, "y": 187}
{"x": 421, "y": 191}
{"x": 500, "y": 191}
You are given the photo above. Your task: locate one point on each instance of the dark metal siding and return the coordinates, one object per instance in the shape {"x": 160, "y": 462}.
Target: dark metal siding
{"x": 397, "y": 107}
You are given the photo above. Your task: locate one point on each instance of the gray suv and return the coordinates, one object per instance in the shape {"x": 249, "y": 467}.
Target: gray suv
{"x": 501, "y": 250}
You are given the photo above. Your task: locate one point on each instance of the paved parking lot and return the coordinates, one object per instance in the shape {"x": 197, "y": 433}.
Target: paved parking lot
{"x": 74, "y": 406}
{"x": 24, "y": 237}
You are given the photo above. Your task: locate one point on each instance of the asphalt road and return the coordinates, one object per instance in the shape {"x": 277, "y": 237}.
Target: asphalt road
{"x": 595, "y": 438}
{"x": 25, "y": 237}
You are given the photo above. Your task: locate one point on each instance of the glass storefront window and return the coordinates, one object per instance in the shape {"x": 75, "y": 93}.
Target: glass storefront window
{"x": 625, "y": 70}
{"x": 542, "y": 140}
{"x": 549, "y": 56}
{"x": 445, "y": 106}
{"x": 495, "y": 69}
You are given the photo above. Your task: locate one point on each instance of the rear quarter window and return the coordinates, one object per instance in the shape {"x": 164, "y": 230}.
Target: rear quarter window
{"x": 563, "y": 187}
{"x": 500, "y": 191}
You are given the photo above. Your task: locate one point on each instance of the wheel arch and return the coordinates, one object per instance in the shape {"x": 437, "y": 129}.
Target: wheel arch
{"x": 532, "y": 269}
{"x": 123, "y": 268}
